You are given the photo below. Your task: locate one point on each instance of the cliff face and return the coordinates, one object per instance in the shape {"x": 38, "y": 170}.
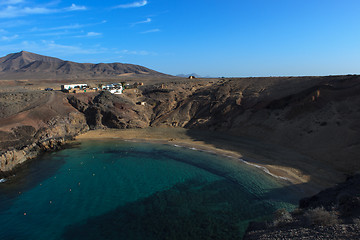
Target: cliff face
{"x": 111, "y": 111}
{"x": 31, "y": 143}
{"x": 34, "y": 122}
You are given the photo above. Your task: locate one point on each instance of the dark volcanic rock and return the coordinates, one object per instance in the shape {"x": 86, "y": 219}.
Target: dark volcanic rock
{"x": 26, "y": 142}
{"x": 345, "y": 198}
{"x": 107, "y": 110}
{"x": 337, "y": 232}
{"x": 331, "y": 214}
{"x": 19, "y": 137}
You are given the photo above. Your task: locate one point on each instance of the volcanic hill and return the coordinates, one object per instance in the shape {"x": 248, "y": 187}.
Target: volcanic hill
{"x": 27, "y": 65}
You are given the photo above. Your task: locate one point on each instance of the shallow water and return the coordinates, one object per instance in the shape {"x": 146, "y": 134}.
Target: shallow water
{"x": 126, "y": 190}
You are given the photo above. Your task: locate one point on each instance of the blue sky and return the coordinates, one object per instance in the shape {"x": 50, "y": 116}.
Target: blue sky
{"x": 211, "y": 38}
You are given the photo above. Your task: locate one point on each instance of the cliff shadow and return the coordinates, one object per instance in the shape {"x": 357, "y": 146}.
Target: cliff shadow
{"x": 259, "y": 152}
{"x": 189, "y": 210}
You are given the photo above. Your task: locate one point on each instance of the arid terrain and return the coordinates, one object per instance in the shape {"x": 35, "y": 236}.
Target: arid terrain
{"x": 307, "y": 126}
{"x": 312, "y": 116}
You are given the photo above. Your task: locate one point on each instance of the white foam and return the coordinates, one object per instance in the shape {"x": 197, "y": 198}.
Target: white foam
{"x": 192, "y": 148}
{"x": 264, "y": 169}
{"x": 208, "y": 151}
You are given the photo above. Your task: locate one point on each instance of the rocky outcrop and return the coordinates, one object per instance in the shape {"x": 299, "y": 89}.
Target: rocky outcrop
{"x": 343, "y": 198}
{"x": 331, "y": 214}
{"x": 106, "y": 110}
{"x": 29, "y": 144}
{"x": 13, "y": 158}
{"x": 336, "y": 232}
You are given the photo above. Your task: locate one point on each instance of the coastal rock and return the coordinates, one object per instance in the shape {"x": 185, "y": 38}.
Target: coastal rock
{"x": 333, "y": 213}
{"x": 45, "y": 139}
{"x": 338, "y": 232}
{"x": 344, "y": 197}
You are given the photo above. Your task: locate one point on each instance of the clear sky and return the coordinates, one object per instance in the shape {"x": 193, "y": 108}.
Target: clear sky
{"x": 210, "y": 38}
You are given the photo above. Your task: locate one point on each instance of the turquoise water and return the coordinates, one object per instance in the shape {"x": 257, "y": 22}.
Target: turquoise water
{"x": 126, "y": 190}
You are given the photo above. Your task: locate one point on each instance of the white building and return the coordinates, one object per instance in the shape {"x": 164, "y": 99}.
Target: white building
{"x": 72, "y": 86}
{"x": 113, "y": 88}
{"x": 116, "y": 91}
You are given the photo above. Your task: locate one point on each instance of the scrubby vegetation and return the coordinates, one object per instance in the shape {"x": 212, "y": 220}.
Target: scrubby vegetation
{"x": 331, "y": 214}
{"x": 319, "y": 216}
{"x": 281, "y": 217}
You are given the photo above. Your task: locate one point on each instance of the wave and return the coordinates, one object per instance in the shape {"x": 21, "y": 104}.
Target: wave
{"x": 264, "y": 169}
{"x": 192, "y": 148}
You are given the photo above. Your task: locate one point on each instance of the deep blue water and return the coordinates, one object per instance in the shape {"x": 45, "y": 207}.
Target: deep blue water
{"x": 126, "y": 190}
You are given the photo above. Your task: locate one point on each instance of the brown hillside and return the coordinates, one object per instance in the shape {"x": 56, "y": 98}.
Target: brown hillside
{"x": 27, "y": 65}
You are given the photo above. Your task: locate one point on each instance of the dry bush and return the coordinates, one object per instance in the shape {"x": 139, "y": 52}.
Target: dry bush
{"x": 319, "y": 216}
{"x": 356, "y": 221}
{"x": 297, "y": 212}
{"x": 281, "y": 217}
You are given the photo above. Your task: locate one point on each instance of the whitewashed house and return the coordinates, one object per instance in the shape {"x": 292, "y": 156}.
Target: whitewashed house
{"x": 72, "y": 86}
{"x": 114, "y": 88}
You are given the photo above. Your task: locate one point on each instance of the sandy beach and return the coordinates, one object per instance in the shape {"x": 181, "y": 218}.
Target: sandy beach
{"x": 253, "y": 155}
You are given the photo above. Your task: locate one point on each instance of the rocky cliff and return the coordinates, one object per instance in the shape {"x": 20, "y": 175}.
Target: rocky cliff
{"x": 111, "y": 111}
{"x": 26, "y": 142}
{"x": 35, "y": 122}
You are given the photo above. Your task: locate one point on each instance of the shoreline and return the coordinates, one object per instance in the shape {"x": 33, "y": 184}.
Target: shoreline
{"x": 179, "y": 137}
{"x": 208, "y": 149}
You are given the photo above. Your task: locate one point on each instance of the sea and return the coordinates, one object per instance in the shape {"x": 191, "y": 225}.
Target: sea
{"x": 111, "y": 189}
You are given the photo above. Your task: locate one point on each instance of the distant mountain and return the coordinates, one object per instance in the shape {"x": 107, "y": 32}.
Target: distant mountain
{"x": 188, "y": 75}
{"x": 27, "y": 65}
